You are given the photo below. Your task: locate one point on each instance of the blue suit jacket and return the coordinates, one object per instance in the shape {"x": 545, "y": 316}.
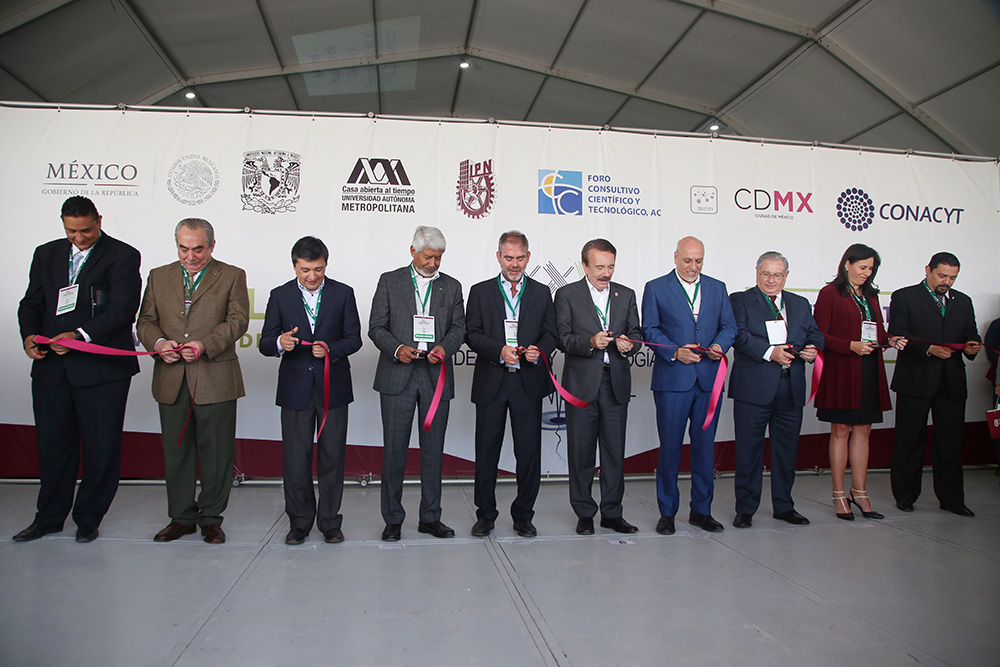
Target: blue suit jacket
{"x": 667, "y": 319}
{"x": 754, "y": 380}
{"x": 337, "y": 325}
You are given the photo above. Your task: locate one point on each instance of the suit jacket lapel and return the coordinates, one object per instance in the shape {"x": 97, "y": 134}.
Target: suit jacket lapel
{"x": 325, "y": 302}
{"x": 588, "y": 301}
{"x": 95, "y": 255}
{"x": 211, "y": 275}
{"x": 674, "y": 287}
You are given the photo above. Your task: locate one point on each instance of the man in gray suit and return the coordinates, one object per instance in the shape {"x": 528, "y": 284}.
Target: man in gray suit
{"x": 417, "y": 322}
{"x": 595, "y": 318}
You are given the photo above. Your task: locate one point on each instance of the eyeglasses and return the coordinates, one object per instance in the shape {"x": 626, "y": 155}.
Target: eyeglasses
{"x": 776, "y": 276}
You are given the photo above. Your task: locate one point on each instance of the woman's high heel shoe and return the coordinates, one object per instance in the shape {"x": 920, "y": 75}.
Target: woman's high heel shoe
{"x": 848, "y": 515}
{"x": 861, "y": 493}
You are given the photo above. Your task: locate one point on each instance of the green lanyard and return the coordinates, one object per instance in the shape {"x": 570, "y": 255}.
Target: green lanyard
{"x": 190, "y": 287}
{"x": 517, "y": 301}
{"x": 939, "y": 300}
{"x": 863, "y": 306}
{"x": 427, "y": 294}
{"x": 604, "y": 315}
{"x": 692, "y": 299}
{"x": 309, "y": 311}
{"x": 774, "y": 308}
{"x": 74, "y": 276}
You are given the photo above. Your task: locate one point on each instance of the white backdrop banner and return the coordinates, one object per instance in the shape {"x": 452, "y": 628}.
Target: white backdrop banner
{"x": 363, "y": 184}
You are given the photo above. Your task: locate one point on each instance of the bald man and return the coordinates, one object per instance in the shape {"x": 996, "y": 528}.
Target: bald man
{"x": 682, "y": 310}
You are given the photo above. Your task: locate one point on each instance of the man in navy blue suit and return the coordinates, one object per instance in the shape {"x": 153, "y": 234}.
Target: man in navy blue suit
{"x": 315, "y": 309}
{"x": 776, "y": 336}
{"x": 681, "y": 310}
{"x": 507, "y": 313}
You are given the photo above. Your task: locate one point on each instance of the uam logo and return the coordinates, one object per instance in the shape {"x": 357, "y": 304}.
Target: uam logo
{"x": 476, "y": 188}
{"x": 271, "y": 181}
{"x": 378, "y": 170}
{"x": 855, "y": 209}
{"x": 560, "y": 192}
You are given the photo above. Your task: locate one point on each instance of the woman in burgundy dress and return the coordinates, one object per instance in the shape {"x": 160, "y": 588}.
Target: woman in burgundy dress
{"x": 853, "y": 392}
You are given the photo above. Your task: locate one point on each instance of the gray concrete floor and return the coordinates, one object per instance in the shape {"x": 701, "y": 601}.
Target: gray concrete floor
{"x": 920, "y": 588}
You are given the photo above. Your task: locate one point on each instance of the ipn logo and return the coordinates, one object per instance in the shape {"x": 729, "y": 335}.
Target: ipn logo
{"x": 560, "y": 192}
{"x": 855, "y": 209}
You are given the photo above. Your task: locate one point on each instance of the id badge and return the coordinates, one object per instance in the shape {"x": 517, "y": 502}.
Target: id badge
{"x": 869, "y": 332}
{"x": 510, "y": 332}
{"x": 66, "y": 303}
{"x": 423, "y": 327}
{"x": 777, "y": 332}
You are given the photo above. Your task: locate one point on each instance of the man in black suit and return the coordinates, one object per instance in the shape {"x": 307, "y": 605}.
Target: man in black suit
{"x": 776, "y": 335}
{"x": 417, "y": 322}
{"x": 86, "y": 287}
{"x": 931, "y": 378}
{"x": 509, "y": 323}
{"x": 316, "y": 309}
{"x": 594, "y": 319}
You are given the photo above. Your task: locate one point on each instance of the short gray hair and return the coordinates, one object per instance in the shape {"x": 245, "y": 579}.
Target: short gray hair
{"x": 196, "y": 223}
{"x": 428, "y": 237}
{"x": 513, "y": 236}
{"x": 772, "y": 255}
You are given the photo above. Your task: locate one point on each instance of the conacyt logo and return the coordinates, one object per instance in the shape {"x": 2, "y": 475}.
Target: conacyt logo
{"x": 476, "y": 188}
{"x": 855, "y": 209}
{"x": 378, "y": 185}
{"x": 271, "y": 181}
{"x": 560, "y": 192}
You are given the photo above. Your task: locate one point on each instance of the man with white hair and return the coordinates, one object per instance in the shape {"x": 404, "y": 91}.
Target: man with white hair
{"x": 417, "y": 322}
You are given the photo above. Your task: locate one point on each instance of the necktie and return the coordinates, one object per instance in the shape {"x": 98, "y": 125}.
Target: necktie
{"x": 513, "y": 290}
{"x": 774, "y": 302}
{"x": 77, "y": 263}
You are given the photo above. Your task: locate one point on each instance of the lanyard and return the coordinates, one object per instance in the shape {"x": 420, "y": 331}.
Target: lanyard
{"x": 863, "y": 306}
{"x": 691, "y": 299}
{"x": 74, "y": 275}
{"x": 774, "y": 307}
{"x": 190, "y": 287}
{"x": 514, "y": 307}
{"x": 939, "y": 300}
{"x": 309, "y": 311}
{"x": 604, "y": 315}
{"x": 427, "y": 294}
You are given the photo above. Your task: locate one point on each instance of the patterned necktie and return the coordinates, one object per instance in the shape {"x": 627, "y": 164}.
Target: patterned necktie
{"x": 77, "y": 263}
{"x": 774, "y": 302}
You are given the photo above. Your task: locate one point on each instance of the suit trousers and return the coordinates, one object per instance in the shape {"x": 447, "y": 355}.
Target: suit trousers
{"x": 298, "y": 428}
{"x": 601, "y": 423}
{"x": 208, "y": 449}
{"x": 783, "y": 419}
{"x": 526, "y": 428}
{"x": 675, "y": 410}
{"x": 397, "y": 423}
{"x": 70, "y": 420}
{"x": 946, "y": 447}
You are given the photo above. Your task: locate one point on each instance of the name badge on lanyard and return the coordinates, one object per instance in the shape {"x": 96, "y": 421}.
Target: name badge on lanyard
{"x": 777, "y": 332}
{"x": 510, "y": 332}
{"x": 66, "y": 303}
{"x": 423, "y": 327}
{"x": 869, "y": 332}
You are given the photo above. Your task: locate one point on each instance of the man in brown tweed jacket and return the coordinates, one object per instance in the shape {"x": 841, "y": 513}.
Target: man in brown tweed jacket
{"x": 202, "y": 304}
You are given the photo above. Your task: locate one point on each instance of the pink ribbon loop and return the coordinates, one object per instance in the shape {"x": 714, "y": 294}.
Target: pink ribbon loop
{"x": 568, "y": 397}
{"x": 438, "y": 390}
{"x": 326, "y": 382}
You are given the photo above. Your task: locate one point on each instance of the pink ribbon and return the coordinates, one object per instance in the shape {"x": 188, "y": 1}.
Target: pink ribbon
{"x": 438, "y": 390}
{"x": 568, "y": 397}
{"x": 817, "y": 375}
{"x": 326, "y": 382}
{"x": 93, "y": 348}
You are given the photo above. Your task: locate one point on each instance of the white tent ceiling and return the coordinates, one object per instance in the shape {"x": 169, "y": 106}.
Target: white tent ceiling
{"x": 904, "y": 74}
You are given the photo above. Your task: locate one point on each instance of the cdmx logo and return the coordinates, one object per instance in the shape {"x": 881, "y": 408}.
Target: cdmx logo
{"x": 855, "y": 209}
{"x": 560, "y": 192}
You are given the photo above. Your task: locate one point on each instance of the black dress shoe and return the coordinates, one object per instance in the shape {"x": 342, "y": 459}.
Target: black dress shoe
{"x": 295, "y": 536}
{"x": 333, "y": 536}
{"x": 585, "y": 525}
{"x": 705, "y": 522}
{"x": 524, "y": 528}
{"x": 665, "y": 526}
{"x": 743, "y": 521}
{"x": 904, "y": 505}
{"x": 392, "y": 532}
{"x": 86, "y": 533}
{"x": 958, "y": 508}
{"x": 213, "y": 533}
{"x": 174, "y": 531}
{"x": 33, "y": 532}
{"x": 435, "y": 528}
{"x": 619, "y": 525}
{"x": 482, "y": 527}
{"x": 793, "y": 517}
